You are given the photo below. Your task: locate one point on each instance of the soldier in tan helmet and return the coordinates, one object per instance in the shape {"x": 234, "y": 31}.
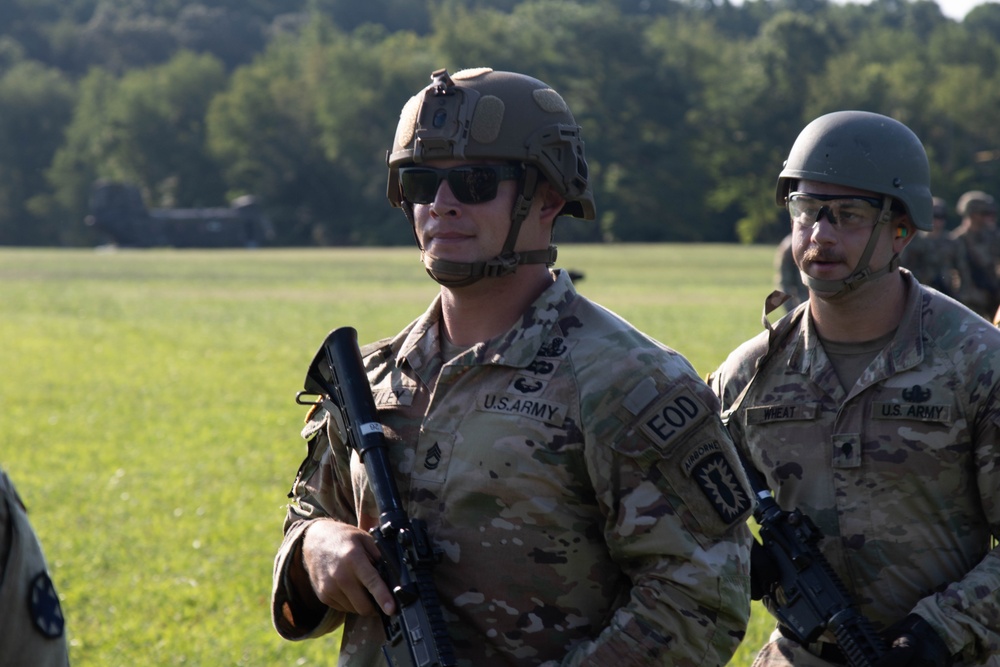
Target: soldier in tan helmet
{"x": 32, "y": 628}
{"x": 574, "y": 472}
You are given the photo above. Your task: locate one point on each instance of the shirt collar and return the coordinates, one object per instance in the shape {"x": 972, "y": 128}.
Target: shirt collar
{"x": 905, "y": 350}
{"x": 419, "y": 345}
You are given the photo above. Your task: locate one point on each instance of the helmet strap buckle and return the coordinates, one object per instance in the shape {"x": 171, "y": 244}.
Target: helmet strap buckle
{"x": 502, "y": 265}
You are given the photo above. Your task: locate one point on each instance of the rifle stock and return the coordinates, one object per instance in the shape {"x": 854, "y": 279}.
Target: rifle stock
{"x": 416, "y": 634}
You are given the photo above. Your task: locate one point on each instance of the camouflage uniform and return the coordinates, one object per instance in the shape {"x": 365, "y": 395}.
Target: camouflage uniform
{"x": 577, "y": 478}
{"x": 901, "y": 473}
{"x": 939, "y": 262}
{"x": 32, "y": 631}
{"x": 981, "y": 248}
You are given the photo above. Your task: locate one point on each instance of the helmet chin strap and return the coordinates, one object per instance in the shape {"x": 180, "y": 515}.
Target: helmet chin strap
{"x": 862, "y": 273}
{"x": 460, "y": 274}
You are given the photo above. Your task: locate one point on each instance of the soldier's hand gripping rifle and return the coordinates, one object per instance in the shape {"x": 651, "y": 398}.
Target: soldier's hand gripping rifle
{"x": 416, "y": 634}
{"x": 806, "y": 595}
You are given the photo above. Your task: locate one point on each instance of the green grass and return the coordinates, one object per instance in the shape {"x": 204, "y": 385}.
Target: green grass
{"x": 148, "y": 415}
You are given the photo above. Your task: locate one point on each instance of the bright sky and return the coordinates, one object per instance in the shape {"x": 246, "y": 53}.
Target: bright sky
{"x": 953, "y": 9}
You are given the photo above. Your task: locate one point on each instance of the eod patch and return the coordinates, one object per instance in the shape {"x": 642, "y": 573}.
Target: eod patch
{"x": 671, "y": 424}
{"x": 671, "y": 417}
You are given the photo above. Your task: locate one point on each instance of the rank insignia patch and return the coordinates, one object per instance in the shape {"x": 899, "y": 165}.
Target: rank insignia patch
{"x": 43, "y": 604}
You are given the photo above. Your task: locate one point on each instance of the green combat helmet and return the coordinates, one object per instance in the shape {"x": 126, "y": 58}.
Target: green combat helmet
{"x": 868, "y": 151}
{"x": 482, "y": 114}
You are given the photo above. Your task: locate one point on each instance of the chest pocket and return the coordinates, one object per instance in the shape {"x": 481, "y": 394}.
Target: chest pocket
{"x": 793, "y": 424}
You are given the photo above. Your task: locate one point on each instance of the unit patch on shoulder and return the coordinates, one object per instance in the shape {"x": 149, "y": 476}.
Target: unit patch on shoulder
{"x": 43, "y": 605}
{"x": 708, "y": 465}
{"x": 671, "y": 417}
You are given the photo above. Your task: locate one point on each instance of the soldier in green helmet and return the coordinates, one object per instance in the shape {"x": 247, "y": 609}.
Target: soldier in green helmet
{"x": 977, "y": 237}
{"x": 936, "y": 259}
{"x": 877, "y": 408}
{"x": 575, "y": 473}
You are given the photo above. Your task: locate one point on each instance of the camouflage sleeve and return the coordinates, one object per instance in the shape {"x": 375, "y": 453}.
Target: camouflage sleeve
{"x": 676, "y": 504}
{"x": 967, "y": 613}
{"x": 316, "y": 494}
{"x": 728, "y": 381}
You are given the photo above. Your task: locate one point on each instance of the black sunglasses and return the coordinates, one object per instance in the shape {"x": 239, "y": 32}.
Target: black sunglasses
{"x": 471, "y": 184}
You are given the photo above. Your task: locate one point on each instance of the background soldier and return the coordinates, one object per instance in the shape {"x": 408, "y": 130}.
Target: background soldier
{"x": 607, "y": 528}
{"x": 877, "y": 412}
{"x": 977, "y": 235}
{"x": 937, "y": 260}
{"x": 32, "y": 629}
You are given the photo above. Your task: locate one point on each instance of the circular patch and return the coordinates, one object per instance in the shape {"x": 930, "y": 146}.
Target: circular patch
{"x": 43, "y": 604}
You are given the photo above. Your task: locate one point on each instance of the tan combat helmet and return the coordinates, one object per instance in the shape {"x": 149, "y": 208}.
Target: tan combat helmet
{"x": 482, "y": 114}
{"x": 975, "y": 201}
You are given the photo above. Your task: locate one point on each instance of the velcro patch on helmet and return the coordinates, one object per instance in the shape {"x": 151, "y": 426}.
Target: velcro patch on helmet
{"x": 489, "y": 116}
{"x": 549, "y": 100}
{"x": 470, "y": 73}
{"x": 408, "y": 121}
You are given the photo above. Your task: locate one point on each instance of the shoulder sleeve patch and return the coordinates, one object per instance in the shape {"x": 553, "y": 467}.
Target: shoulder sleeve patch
{"x": 707, "y": 463}
{"x": 46, "y": 612}
{"x": 671, "y": 417}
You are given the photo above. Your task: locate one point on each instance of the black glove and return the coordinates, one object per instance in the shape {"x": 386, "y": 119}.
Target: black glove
{"x": 763, "y": 571}
{"x": 914, "y": 643}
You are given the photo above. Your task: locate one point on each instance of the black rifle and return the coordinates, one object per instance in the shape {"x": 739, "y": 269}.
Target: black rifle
{"x": 416, "y": 634}
{"x": 807, "y": 596}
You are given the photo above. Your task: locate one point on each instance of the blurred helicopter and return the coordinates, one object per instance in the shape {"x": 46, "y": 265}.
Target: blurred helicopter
{"x": 118, "y": 212}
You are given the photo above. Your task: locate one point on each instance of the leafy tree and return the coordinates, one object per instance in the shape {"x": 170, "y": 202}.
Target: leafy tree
{"x": 361, "y": 93}
{"x": 394, "y": 15}
{"x": 146, "y": 128}
{"x": 233, "y": 37}
{"x": 263, "y": 131}
{"x": 35, "y": 106}
{"x": 751, "y": 112}
{"x": 984, "y": 18}
{"x": 686, "y": 127}
{"x": 76, "y": 164}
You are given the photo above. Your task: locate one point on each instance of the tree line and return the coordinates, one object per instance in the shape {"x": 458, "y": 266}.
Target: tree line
{"x": 688, "y": 107}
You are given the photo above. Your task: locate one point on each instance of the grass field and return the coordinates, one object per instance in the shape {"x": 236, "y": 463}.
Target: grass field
{"x": 148, "y": 415}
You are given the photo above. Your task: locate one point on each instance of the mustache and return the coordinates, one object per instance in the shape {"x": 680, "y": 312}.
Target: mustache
{"x": 822, "y": 255}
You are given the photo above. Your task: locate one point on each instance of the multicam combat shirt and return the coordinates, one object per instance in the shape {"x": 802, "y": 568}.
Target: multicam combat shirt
{"x": 901, "y": 472}
{"x": 578, "y": 479}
